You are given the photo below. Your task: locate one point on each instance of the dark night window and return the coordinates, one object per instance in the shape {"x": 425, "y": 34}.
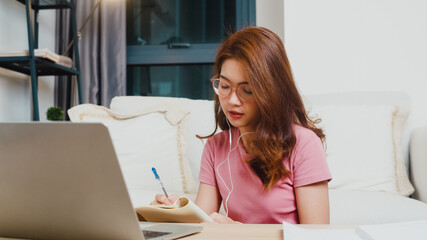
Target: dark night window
{"x": 171, "y": 44}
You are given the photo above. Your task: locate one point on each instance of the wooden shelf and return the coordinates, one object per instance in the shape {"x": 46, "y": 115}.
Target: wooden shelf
{"x": 43, "y": 67}
{"x": 48, "y": 4}
{"x": 37, "y": 66}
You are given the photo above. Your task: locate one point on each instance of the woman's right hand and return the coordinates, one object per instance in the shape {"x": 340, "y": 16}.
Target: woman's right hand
{"x": 162, "y": 199}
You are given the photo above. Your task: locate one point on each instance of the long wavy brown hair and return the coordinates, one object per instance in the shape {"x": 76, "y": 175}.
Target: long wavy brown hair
{"x": 263, "y": 57}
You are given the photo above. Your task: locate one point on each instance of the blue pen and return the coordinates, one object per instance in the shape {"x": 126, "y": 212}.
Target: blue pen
{"x": 160, "y": 181}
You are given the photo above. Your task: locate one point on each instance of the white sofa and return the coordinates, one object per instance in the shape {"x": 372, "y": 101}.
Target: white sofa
{"x": 364, "y": 149}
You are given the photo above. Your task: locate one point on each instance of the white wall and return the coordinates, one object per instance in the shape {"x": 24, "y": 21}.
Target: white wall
{"x": 357, "y": 45}
{"x": 269, "y": 14}
{"x": 15, "y": 90}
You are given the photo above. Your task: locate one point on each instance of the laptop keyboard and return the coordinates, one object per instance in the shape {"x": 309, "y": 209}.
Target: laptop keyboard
{"x": 152, "y": 234}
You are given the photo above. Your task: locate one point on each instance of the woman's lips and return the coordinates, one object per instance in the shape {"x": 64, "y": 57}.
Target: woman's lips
{"x": 235, "y": 114}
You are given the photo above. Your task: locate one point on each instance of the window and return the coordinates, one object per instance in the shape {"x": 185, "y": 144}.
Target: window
{"x": 172, "y": 44}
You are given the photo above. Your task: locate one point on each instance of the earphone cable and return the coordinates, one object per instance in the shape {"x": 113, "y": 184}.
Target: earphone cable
{"x": 229, "y": 169}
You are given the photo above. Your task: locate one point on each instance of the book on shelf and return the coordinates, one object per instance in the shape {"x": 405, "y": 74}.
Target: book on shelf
{"x": 54, "y": 57}
{"x": 182, "y": 211}
{"x": 65, "y": 61}
{"x": 42, "y": 53}
{"x": 46, "y": 53}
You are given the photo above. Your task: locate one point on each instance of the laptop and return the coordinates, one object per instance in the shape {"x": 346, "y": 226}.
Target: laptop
{"x": 63, "y": 181}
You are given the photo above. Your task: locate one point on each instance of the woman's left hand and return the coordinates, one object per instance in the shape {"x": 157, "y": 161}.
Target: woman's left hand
{"x": 218, "y": 218}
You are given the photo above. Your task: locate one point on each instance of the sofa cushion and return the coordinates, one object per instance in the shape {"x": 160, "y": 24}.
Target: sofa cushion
{"x": 199, "y": 121}
{"x": 146, "y": 138}
{"x": 367, "y": 207}
{"x": 364, "y": 148}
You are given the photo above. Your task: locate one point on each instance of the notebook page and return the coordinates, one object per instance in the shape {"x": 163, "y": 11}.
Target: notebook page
{"x": 293, "y": 232}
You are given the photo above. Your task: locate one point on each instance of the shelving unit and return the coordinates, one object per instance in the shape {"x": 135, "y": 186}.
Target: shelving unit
{"x": 36, "y": 66}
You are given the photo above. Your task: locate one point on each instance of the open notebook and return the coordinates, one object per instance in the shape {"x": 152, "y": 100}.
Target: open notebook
{"x": 182, "y": 211}
{"x": 63, "y": 181}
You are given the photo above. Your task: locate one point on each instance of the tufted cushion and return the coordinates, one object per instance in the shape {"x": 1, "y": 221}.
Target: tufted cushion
{"x": 364, "y": 148}
{"x": 200, "y": 121}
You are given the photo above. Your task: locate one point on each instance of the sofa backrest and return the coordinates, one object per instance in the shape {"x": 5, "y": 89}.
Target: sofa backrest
{"x": 363, "y": 133}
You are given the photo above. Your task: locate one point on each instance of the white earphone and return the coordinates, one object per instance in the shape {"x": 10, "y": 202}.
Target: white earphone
{"x": 229, "y": 168}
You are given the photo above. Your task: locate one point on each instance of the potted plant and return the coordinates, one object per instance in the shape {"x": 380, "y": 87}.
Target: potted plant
{"x": 55, "y": 114}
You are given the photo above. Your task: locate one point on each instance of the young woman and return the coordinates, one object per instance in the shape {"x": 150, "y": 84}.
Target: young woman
{"x": 268, "y": 164}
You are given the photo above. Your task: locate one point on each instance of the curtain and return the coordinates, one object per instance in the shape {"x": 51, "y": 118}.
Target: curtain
{"x": 102, "y": 50}
{"x": 63, "y": 84}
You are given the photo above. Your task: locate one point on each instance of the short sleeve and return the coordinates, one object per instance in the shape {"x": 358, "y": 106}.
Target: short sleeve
{"x": 207, "y": 166}
{"x": 308, "y": 160}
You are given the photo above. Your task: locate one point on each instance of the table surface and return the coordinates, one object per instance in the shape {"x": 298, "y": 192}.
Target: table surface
{"x": 247, "y": 231}
{"x": 251, "y": 231}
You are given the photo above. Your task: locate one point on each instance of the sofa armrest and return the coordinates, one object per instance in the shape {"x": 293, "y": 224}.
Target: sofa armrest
{"x": 418, "y": 163}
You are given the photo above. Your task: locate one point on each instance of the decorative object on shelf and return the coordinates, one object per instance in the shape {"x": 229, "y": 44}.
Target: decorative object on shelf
{"x": 55, "y": 114}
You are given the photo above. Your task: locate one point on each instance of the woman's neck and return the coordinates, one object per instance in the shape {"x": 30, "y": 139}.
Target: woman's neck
{"x": 247, "y": 138}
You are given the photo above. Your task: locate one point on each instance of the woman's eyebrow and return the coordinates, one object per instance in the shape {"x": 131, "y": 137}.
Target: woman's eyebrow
{"x": 225, "y": 78}
{"x": 222, "y": 76}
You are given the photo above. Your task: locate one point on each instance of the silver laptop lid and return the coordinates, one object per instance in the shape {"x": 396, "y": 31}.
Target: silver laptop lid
{"x": 62, "y": 181}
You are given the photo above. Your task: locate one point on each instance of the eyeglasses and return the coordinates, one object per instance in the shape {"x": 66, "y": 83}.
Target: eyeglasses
{"x": 224, "y": 89}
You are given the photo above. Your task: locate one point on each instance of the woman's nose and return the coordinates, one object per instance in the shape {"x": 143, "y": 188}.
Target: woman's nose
{"x": 234, "y": 99}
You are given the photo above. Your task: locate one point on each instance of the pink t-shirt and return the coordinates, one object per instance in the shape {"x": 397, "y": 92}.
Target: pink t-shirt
{"x": 249, "y": 202}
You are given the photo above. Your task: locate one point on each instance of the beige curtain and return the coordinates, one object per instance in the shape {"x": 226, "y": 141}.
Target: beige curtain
{"x": 102, "y": 50}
